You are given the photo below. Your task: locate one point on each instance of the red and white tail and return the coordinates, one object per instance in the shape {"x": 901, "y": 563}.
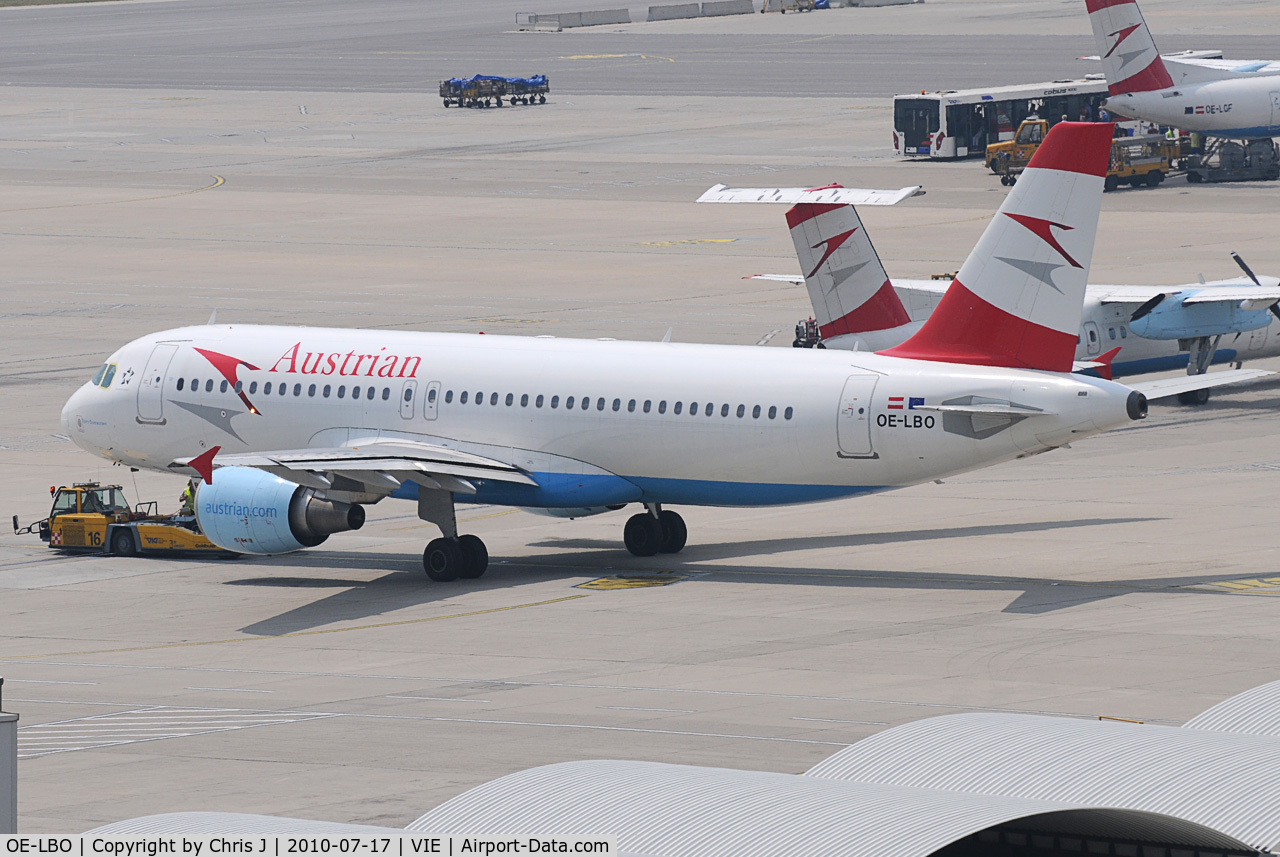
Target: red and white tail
{"x": 1129, "y": 56}
{"x": 847, "y": 284}
{"x": 1018, "y": 298}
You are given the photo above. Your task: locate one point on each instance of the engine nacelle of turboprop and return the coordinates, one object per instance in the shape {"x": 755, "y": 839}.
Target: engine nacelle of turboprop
{"x": 248, "y": 511}
{"x": 1167, "y": 317}
{"x": 573, "y": 511}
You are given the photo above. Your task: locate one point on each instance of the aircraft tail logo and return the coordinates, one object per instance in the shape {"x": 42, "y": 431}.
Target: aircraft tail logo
{"x": 1130, "y": 58}
{"x": 847, "y": 284}
{"x": 1018, "y": 299}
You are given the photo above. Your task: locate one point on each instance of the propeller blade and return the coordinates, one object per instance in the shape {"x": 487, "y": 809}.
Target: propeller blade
{"x": 1147, "y": 307}
{"x": 1245, "y": 268}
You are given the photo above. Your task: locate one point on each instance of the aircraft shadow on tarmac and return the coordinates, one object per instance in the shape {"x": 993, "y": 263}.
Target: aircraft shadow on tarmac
{"x": 405, "y": 585}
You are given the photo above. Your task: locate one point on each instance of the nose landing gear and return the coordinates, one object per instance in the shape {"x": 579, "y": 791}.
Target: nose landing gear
{"x": 655, "y": 531}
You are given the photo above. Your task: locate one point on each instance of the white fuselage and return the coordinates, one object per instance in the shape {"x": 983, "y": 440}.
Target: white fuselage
{"x": 1237, "y": 107}
{"x": 771, "y": 425}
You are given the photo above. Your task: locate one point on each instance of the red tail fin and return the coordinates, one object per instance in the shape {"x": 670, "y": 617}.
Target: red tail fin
{"x": 1129, "y": 55}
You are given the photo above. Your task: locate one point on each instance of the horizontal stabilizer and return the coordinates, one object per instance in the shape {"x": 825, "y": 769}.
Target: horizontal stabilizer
{"x": 1166, "y": 387}
{"x": 833, "y": 195}
{"x": 795, "y": 279}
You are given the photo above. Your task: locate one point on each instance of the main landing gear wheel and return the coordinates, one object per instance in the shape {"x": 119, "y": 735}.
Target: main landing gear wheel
{"x": 674, "y": 532}
{"x": 1194, "y": 397}
{"x": 449, "y": 559}
{"x": 643, "y": 534}
{"x": 475, "y": 557}
{"x": 443, "y": 560}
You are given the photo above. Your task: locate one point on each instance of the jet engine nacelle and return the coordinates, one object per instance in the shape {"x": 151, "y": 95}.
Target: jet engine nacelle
{"x": 248, "y": 511}
{"x": 1167, "y": 317}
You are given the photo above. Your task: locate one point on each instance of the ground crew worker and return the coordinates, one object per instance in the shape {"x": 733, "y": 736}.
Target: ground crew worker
{"x": 188, "y": 501}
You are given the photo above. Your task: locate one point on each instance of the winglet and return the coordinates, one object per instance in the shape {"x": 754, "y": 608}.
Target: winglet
{"x": 203, "y": 464}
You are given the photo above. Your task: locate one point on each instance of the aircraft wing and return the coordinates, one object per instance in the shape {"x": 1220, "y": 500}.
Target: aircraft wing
{"x": 1262, "y": 295}
{"x": 832, "y": 195}
{"x": 379, "y": 466}
{"x": 1166, "y": 387}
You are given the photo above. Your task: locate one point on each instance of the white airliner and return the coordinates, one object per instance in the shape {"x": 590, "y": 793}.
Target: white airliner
{"x": 1219, "y": 98}
{"x": 1124, "y": 330}
{"x": 291, "y": 429}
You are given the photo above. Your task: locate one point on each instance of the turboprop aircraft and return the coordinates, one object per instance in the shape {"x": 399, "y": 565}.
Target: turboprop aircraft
{"x": 1219, "y": 98}
{"x": 1124, "y": 330}
{"x": 292, "y": 430}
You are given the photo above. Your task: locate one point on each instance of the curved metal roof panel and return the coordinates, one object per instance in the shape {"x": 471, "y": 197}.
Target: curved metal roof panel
{"x": 1254, "y": 712}
{"x": 232, "y": 823}
{"x": 683, "y": 811}
{"x": 1224, "y": 781}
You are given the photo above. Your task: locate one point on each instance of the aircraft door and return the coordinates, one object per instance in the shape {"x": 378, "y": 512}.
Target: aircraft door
{"x": 407, "y": 396}
{"x": 431, "y": 401}
{"x": 151, "y": 384}
{"x": 1275, "y": 109}
{"x": 1258, "y": 337}
{"x": 853, "y": 423}
{"x": 1092, "y": 338}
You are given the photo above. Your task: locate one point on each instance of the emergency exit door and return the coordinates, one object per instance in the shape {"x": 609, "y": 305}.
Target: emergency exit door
{"x": 151, "y": 384}
{"x": 853, "y": 424}
{"x": 1275, "y": 109}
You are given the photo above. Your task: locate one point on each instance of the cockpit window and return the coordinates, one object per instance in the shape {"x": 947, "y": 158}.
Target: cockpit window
{"x": 97, "y": 379}
{"x": 109, "y": 376}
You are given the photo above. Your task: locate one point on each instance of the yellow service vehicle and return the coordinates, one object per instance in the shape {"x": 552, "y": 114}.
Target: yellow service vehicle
{"x": 93, "y": 518}
{"x": 1137, "y": 161}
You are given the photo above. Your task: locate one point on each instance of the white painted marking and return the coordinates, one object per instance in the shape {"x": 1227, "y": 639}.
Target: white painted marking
{"x": 232, "y": 689}
{"x": 630, "y": 708}
{"x": 829, "y": 720}
{"x": 438, "y": 698}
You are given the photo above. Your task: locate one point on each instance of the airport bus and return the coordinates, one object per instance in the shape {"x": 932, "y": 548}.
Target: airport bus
{"x": 960, "y": 123}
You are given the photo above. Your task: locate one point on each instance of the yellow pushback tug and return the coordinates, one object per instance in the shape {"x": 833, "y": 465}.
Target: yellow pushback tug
{"x": 93, "y": 518}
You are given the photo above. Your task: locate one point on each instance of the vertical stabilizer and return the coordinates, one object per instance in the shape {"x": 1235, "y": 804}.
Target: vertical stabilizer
{"x": 847, "y": 283}
{"x": 1018, "y": 298}
{"x": 1129, "y": 55}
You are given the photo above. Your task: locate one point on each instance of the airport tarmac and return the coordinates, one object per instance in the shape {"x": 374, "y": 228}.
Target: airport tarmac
{"x": 1131, "y": 576}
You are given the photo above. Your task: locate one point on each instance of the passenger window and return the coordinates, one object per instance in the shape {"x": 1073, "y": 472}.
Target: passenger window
{"x": 1112, "y": 331}
{"x": 355, "y": 392}
{"x": 693, "y": 409}
{"x": 448, "y": 397}
{"x": 586, "y": 402}
{"x": 253, "y": 387}
{"x": 462, "y": 400}
{"x": 493, "y": 398}
{"x": 326, "y": 391}
{"x": 787, "y": 414}
{"x": 408, "y": 394}
{"x": 510, "y": 399}
{"x": 311, "y": 391}
{"x": 181, "y": 381}
{"x": 284, "y": 388}
{"x": 266, "y": 389}
{"x": 676, "y": 409}
{"x": 1124, "y": 332}
{"x": 600, "y": 404}
{"x": 369, "y": 395}
{"x": 297, "y": 389}
{"x": 195, "y": 385}
{"x": 342, "y": 391}
{"x": 537, "y": 403}
{"x": 647, "y": 405}
{"x": 773, "y": 411}
{"x": 724, "y": 410}
{"x": 208, "y": 386}
{"x": 524, "y": 400}
{"x": 617, "y": 403}
{"x": 662, "y": 406}
{"x": 1093, "y": 337}
{"x": 742, "y": 411}
{"x": 479, "y": 398}
{"x": 239, "y": 387}
{"x": 431, "y": 395}
{"x": 710, "y": 408}
{"x": 386, "y": 394}
{"x": 222, "y": 388}
{"x": 568, "y": 403}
